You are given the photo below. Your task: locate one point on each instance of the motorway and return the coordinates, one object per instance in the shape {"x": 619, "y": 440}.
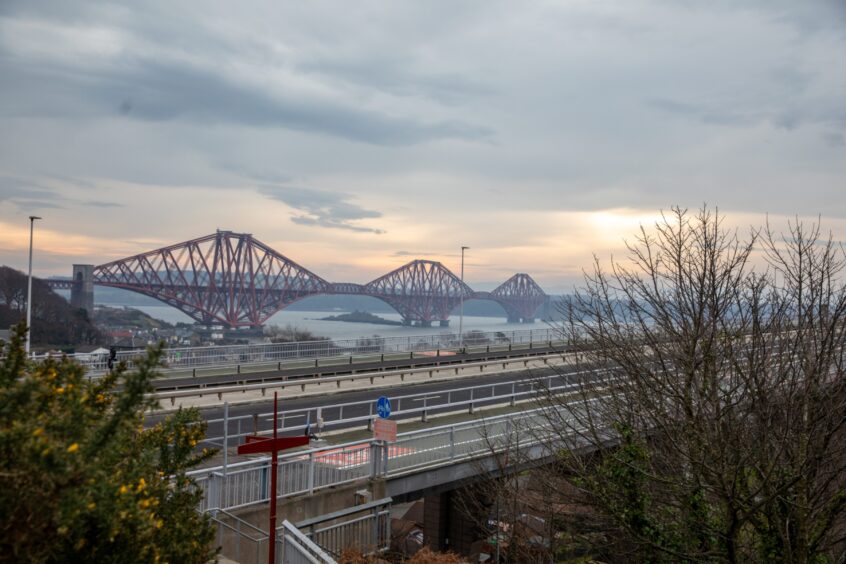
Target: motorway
{"x": 366, "y": 363}
{"x": 357, "y": 404}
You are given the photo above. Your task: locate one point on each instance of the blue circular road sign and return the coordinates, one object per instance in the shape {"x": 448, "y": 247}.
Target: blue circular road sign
{"x": 383, "y": 407}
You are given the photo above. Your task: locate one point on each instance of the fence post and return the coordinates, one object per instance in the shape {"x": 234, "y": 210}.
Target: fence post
{"x": 225, "y": 436}
{"x": 375, "y": 529}
{"x": 385, "y": 452}
{"x": 374, "y": 459}
{"x": 311, "y": 473}
{"x": 214, "y": 494}
{"x": 452, "y": 443}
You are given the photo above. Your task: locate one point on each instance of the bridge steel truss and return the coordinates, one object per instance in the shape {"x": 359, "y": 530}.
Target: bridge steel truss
{"x": 234, "y": 280}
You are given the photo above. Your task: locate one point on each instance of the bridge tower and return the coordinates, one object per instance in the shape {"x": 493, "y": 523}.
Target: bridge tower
{"x": 82, "y": 290}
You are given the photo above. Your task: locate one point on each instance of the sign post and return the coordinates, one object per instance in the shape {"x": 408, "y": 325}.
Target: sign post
{"x": 384, "y": 429}
{"x": 256, "y": 444}
{"x": 383, "y": 407}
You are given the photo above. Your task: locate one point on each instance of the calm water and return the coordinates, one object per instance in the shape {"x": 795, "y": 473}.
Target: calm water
{"x": 310, "y": 321}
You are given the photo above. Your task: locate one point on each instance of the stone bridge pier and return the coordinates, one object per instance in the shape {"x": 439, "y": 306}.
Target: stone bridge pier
{"x": 82, "y": 291}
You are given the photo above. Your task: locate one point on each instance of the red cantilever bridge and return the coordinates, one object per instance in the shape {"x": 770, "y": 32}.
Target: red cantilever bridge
{"x": 233, "y": 279}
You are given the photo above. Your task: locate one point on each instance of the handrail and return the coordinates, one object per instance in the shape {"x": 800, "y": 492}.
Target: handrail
{"x": 344, "y": 512}
{"x": 288, "y": 528}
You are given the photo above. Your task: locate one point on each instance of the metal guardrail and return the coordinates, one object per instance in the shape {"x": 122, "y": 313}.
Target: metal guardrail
{"x": 368, "y": 533}
{"x": 297, "y": 548}
{"x": 247, "y": 483}
{"x": 402, "y": 407}
{"x": 301, "y": 383}
{"x": 235, "y": 356}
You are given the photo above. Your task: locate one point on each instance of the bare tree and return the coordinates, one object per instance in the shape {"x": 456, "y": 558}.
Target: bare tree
{"x": 717, "y": 430}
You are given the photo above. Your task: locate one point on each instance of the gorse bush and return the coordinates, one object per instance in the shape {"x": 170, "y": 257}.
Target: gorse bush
{"x": 81, "y": 479}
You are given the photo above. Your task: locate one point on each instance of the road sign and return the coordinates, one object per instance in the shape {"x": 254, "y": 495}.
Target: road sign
{"x": 256, "y": 444}
{"x": 383, "y": 407}
{"x": 385, "y": 430}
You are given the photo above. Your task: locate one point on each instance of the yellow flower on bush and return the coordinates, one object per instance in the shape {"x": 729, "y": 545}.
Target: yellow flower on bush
{"x": 74, "y": 447}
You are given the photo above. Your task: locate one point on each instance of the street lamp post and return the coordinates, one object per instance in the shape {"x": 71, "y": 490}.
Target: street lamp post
{"x": 32, "y": 219}
{"x": 461, "y": 314}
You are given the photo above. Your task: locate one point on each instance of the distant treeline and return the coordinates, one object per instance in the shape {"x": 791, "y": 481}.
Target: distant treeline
{"x": 54, "y": 322}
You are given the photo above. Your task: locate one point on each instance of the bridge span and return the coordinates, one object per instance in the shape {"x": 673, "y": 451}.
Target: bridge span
{"x": 235, "y": 280}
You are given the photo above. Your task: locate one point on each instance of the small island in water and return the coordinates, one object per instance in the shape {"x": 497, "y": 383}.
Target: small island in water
{"x": 360, "y": 317}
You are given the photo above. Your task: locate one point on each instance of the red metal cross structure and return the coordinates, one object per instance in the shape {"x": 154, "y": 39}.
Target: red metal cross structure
{"x": 256, "y": 444}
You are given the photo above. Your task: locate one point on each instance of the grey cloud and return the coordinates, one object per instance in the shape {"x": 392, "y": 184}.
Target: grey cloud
{"x": 834, "y": 139}
{"x": 262, "y": 176}
{"x": 101, "y": 204}
{"x": 322, "y": 208}
{"x": 395, "y": 76}
{"x": 160, "y": 91}
{"x": 715, "y": 116}
{"x": 37, "y": 205}
{"x": 787, "y": 117}
{"x": 29, "y": 195}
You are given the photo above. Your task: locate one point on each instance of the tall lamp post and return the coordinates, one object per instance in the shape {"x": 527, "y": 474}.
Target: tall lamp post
{"x": 461, "y": 314}
{"x": 32, "y": 219}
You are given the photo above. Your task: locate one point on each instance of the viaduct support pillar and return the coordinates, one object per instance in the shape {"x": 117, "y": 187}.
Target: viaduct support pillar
{"x": 446, "y": 525}
{"x": 82, "y": 291}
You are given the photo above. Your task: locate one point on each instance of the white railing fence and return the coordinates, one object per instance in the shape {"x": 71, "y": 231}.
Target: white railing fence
{"x": 247, "y": 483}
{"x": 187, "y": 358}
{"x": 297, "y": 548}
{"x": 363, "y": 528}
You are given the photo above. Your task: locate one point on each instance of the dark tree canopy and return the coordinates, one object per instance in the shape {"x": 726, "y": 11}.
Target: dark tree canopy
{"x": 54, "y": 321}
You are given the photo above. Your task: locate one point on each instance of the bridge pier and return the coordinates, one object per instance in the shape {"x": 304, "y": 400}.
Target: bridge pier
{"x": 82, "y": 291}
{"x": 446, "y": 525}
{"x": 513, "y": 319}
{"x": 528, "y": 320}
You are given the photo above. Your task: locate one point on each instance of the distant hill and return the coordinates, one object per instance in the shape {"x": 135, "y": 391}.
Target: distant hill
{"x": 54, "y": 322}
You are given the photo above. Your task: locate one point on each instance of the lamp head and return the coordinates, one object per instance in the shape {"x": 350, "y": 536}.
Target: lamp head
{"x": 33, "y": 217}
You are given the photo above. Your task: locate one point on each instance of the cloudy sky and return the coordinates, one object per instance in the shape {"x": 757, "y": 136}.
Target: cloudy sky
{"x": 355, "y": 136}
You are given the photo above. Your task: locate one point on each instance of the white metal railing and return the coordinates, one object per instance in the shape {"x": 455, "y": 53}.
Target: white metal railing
{"x": 247, "y": 483}
{"x": 368, "y": 532}
{"x": 187, "y": 358}
{"x": 297, "y": 548}
{"x": 350, "y": 415}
